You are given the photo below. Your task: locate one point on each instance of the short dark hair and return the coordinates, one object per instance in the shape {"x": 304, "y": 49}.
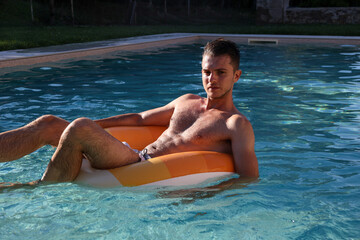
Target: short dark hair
{"x": 220, "y": 47}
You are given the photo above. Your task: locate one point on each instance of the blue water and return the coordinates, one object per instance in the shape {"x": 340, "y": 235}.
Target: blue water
{"x": 303, "y": 102}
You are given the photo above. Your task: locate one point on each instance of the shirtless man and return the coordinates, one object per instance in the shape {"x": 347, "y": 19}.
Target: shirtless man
{"x": 194, "y": 123}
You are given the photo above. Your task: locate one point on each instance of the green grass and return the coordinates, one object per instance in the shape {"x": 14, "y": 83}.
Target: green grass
{"x": 36, "y": 36}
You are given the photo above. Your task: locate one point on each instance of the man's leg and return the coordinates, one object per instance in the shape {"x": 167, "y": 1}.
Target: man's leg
{"x": 17, "y": 143}
{"x": 83, "y": 137}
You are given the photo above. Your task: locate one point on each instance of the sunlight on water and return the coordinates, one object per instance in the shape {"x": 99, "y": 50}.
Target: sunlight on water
{"x": 303, "y": 102}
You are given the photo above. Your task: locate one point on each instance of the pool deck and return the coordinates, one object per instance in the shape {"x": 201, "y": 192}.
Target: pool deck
{"x": 31, "y": 56}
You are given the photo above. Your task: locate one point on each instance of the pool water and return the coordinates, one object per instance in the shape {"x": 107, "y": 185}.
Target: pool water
{"x": 303, "y": 102}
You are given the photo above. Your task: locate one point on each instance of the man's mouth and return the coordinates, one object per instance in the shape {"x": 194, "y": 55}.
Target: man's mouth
{"x": 213, "y": 87}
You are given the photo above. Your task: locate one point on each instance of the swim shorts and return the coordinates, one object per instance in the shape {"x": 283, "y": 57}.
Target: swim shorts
{"x": 143, "y": 156}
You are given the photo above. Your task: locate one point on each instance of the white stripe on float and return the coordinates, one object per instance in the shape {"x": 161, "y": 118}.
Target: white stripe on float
{"x": 190, "y": 179}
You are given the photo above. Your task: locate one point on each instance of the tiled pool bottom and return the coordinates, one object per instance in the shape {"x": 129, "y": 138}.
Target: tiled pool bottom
{"x": 303, "y": 102}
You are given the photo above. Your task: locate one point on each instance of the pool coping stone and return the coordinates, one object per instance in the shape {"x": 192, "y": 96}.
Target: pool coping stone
{"x": 12, "y": 58}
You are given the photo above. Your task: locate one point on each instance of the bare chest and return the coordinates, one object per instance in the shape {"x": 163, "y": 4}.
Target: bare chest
{"x": 192, "y": 128}
{"x": 199, "y": 127}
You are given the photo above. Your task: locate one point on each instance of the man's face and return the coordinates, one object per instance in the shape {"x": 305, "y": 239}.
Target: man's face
{"x": 218, "y": 75}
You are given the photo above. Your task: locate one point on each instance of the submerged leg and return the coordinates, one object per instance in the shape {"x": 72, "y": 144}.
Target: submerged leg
{"x": 83, "y": 137}
{"x": 13, "y": 186}
{"x": 17, "y": 143}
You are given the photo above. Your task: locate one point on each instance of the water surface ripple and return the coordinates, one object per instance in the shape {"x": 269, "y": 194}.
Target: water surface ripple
{"x": 303, "y": 102}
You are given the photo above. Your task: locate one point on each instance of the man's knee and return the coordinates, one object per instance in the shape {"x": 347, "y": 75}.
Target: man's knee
{"x": 82, "y": 122}
{"x": 80, "y": 127}
{"x": 50, "y": 121}
{"x": 50, "y": 128}
{"x": 47, "y": 119}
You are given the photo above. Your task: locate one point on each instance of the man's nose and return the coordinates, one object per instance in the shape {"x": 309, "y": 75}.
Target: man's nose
{"x": 212, "y": 77}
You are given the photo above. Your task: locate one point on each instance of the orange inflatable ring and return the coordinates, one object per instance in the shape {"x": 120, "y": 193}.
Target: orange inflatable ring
{"x": 185, "y": 168}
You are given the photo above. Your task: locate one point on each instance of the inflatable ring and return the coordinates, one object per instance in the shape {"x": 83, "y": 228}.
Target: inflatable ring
{"x": 184, "y": 168}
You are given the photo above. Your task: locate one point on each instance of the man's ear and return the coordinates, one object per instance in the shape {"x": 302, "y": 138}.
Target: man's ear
{"x": 237, "y": 75}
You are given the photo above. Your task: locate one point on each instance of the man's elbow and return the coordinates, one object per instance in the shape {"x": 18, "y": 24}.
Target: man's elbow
{"x": 249, "y": 174}
{"x": 250, "y": 168}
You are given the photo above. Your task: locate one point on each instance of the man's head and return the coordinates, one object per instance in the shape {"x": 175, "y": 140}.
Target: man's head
{"x": 220, "y": 47}
{"x": 220, "y": 68}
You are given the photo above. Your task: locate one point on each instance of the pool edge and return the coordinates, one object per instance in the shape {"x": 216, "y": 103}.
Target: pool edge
{"x": 23, "y": 57}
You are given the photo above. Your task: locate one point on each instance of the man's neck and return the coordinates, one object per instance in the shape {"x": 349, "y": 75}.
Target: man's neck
{"x": 224, "y": 104}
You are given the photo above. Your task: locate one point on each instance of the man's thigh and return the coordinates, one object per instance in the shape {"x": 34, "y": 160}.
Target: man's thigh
{"x": 104, "y": 151}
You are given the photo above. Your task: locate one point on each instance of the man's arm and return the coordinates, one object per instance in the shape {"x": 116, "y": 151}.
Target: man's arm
{"x": 159, "y": 117}
{"x": 243, "y": 141}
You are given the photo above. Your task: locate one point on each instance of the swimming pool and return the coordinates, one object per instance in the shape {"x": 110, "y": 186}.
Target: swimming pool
{"x": 303, "y": 102}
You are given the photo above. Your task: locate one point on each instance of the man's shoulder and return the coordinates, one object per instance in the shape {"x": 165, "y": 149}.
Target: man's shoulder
{"x": 190, "y": 96}
{"x": 238, "y": 122}
{"x": 187, "y": 98}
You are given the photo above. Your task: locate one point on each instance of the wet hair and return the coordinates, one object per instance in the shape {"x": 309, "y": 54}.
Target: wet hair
{"x": 220, "y": 47}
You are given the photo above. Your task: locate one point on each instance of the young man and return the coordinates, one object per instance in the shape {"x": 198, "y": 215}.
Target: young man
{"x": 194, "y": 123}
